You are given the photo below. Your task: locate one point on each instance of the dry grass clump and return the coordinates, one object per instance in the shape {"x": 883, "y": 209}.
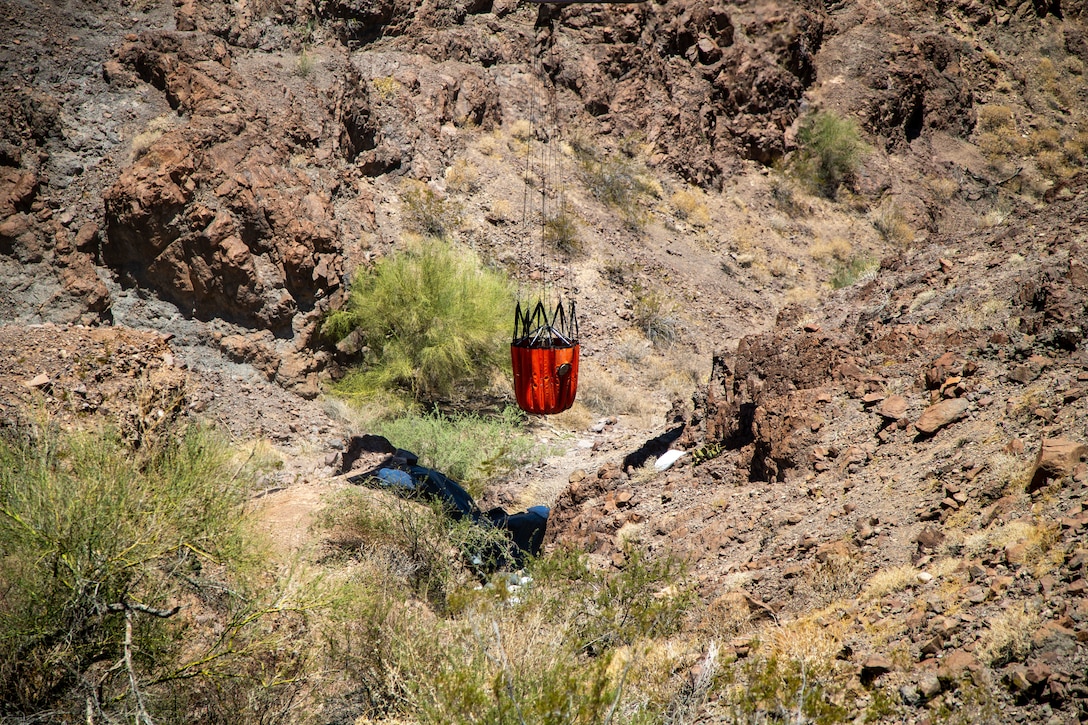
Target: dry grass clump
{"x": 943, "y": 188}
{"x": 1009, "y": 470}
{"x": 781, "y": 266}
{"x": 888, "y": 219}
{"x": 599, "y": 391}
{"x": 143, "y": 141}
{"x": 656, "y": 316}
{"x": 836, "y": 249}
{"x": 688, "y": 205}
{"x": 1008, "y": 636}
{"x": 889, "y": 581}
{"x": 462, "y": 177}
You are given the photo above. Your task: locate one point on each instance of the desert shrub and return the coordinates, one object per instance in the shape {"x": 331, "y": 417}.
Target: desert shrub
{"x": 645, "y": 600}
{"x": 830, "y": 153}
{"x": 779, "y": 689}
{"x": 561, "y": 232}
{"x": 550, "y": 647}
{"x": 462, "y": 177}
{"x": 435, "y": 322}
{"x": 469, "y": 448}
{"x": 888, "y": 219}
{"x": 101, "y": 545}
{"x": 655, "y": 316}
{"x": 852, "y": 271}
{"x": 426, "y": 212}
{"x": 418, "y": 547}
{"x": 618, "y": 180}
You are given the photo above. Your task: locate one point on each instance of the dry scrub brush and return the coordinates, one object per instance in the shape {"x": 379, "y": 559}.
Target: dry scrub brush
{"x": 130, "y": 586}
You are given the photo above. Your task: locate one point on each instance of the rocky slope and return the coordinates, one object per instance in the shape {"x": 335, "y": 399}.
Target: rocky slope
{"x": 215, "y": 172}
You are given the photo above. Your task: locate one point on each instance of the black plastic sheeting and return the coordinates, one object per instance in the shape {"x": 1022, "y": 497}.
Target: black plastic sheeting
{"x": 402, "y": 475}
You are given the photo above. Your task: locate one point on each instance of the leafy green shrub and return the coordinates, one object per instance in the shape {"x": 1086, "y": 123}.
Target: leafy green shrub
{"x": 469, "y": 448}
{"x": 831, "y": 150}
{"x": 426, "y": 212}
{"x": 435, "y": 322}
{"x": 101, "y": 544}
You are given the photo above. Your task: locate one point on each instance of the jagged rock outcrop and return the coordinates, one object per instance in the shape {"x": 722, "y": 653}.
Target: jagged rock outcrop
{"x": 213, "y": 215}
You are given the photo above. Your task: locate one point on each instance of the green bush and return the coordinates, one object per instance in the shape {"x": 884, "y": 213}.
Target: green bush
{"x": 469, "y": 448}
{"x": 434, "y": 320}
{"x": 101, "y": 544}
{"x": 831, "y": 151}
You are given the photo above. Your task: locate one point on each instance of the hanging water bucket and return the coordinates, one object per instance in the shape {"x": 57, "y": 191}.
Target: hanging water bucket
{"x": 544, "y": 355}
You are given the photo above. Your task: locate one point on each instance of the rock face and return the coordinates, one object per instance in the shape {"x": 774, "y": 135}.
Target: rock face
{"x": 213, "y": 215}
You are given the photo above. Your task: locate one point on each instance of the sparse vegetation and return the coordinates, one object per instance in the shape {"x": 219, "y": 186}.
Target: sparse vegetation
{"x": 143, "y": 141}
{"x": 831, "y": 150}
{"x": 690, "y": 207}
{"x": 462, "y": 177}
{"x": 561, "y": 232}
{"x": 655, "y": 316}
{"x": 434, "y": 321}
{"x": 428, "y": 213}
{"x": 852, "y": 271}
{"x": 470, "y": 448}
{"x": 888, "y": 219}
{"x": 387, "y": 87}
{"x": 618, "y": 180}
{"x": 304, "y": 66}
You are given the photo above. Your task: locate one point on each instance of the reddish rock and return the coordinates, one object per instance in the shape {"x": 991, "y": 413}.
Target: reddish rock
{"x": 893, "y": 407}
{"x": 1057, "y": 458}
{"x": 942, "y": 414}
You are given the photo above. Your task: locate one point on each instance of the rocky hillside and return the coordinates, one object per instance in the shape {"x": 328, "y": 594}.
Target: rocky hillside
{"x": 888, "y": 460}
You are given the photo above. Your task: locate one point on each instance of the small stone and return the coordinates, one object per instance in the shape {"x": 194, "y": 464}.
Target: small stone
{"x": 929, "y": 686}
{"x": 933, "y": 646}
{"x": 910, "y": 695}
{"x": 1015, "y": 554}
{"x": 38, "y": 381}
{"x": 924, "y": 577}
{"x": 975, "y": 595}
{"x": 894, "y": 407}
{"x": 1017, "y": 678}
{"x": 874, "y": 666}
{"x": 955, "y": 665}
{"x": 1038, "y": 673}
{"x": 930, "y": 537}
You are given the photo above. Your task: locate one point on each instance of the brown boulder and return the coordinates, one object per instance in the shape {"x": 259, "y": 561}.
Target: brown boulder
{"x": 1056, "y": 459}
{"x": 940, "y": 415}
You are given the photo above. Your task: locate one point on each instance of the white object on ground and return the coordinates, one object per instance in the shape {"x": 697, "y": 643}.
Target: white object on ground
{"x": 668, "y": 458}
